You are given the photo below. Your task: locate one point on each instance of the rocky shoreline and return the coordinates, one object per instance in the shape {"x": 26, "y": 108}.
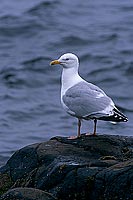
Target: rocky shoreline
{"x": 86, "y": 168}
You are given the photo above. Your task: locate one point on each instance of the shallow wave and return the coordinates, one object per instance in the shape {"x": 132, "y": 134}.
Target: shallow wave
{"x": 42, "y": 6}
{"x": 14, "y": 27}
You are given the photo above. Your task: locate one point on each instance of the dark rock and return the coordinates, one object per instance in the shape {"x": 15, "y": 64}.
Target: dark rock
{"x": 5, "y": 182}
{"x": 23, "y": 162}
{"x": 26, "y": 194}
{"x": 85, "y": 168}
{"x": 116, "y": 182}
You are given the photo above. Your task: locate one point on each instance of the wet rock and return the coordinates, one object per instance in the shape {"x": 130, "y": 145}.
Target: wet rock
{"x": 116, "y": 182}
{"x": 26, "y": 194}
{"x": 85, "y": 168}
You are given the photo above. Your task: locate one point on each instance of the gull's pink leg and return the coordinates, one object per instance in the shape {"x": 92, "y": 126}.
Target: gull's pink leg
{"x": 79, "y": 134}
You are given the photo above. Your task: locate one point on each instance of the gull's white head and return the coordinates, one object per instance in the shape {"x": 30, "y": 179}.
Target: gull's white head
{"x": 67, "y": 60}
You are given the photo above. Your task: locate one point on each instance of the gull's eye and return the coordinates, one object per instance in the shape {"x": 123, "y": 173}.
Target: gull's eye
{"x": 67, "y": 58}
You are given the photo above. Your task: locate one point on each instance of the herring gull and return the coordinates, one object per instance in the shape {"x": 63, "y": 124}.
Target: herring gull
{"x": 84, "y": 100}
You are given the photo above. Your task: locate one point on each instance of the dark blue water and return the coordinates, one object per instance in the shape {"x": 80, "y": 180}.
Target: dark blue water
{"x": 32, "y": 33}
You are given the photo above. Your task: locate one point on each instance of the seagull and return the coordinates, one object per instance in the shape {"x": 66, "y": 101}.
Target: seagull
{"x": 82, "y": 99}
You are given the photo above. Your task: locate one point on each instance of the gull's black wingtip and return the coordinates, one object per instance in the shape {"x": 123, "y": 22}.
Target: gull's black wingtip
{"x": 117, "y": 116}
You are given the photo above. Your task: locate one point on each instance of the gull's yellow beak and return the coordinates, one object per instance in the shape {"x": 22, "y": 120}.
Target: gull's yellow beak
{"x": 55, "y": 62}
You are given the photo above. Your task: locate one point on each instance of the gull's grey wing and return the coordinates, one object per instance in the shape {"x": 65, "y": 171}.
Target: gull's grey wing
{"x": 84, "y": 99}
